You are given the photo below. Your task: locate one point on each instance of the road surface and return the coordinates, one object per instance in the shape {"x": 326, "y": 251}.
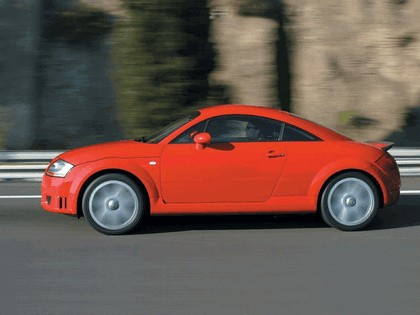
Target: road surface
{"x": 292, "y": 264}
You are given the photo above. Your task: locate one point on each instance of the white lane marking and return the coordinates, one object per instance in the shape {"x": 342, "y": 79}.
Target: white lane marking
{"x": 410, "y": 192}
{"x": 20, "y": 197}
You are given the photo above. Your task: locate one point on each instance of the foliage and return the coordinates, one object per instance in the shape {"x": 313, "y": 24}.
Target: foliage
{"x": 164, "y": 58}
{"x": 79, "y": 24}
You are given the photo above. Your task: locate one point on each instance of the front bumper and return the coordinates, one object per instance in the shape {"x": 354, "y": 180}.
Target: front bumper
{"x": 56, "y": 195}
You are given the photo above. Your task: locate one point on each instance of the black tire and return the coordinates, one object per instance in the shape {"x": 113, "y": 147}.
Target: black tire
{"x": 349, "y": 202}
{"x": 113, "y": 204}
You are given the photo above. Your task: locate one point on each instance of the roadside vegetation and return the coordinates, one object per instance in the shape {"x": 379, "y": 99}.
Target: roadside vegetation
{"x": 163, "y": 58}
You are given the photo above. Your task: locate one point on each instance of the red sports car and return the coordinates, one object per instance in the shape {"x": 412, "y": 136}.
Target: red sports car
{"x": 228, "y": 159}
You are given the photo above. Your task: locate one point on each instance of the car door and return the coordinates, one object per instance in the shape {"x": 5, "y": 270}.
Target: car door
{"x": 239, "y": 165}
{"x": 306, "y": 155}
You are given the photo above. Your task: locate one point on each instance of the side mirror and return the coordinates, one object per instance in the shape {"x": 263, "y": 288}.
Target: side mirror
{"x": 201, "y": 140}
{"x": 193, "y": 134}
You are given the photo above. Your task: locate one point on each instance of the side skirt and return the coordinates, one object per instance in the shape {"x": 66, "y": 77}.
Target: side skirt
{"x": 276, "y": 205}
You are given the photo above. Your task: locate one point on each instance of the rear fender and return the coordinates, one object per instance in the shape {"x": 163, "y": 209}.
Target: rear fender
{"x": 340, "y": 166}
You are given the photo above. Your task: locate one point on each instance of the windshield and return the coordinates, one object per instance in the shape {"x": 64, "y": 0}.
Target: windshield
{"x": 162, "y": 134}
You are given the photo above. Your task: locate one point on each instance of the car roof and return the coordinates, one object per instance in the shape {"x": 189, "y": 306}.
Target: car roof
{"x": 242, "y": 109}
{"x": 273, "y": 113}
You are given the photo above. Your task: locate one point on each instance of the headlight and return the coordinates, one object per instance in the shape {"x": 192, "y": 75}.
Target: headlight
{"x": 59, "y": 169}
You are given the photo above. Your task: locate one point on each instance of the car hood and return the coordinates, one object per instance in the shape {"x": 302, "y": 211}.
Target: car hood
{"x": 118, "y": 149}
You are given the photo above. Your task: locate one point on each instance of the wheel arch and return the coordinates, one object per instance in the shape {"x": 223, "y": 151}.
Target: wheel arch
{"x": 351, "y": 170}
{"x": 98, "y": 174}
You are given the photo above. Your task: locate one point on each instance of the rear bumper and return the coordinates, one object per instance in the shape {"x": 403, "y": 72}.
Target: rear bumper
{"x": 391, "y": 180}
{"x": 394, "y": 196}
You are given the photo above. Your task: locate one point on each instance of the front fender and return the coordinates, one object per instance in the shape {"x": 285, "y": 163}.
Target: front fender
{"x": 145, "y": 169}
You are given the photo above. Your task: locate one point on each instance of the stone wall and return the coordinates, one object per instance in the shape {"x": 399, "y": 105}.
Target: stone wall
{"x": 58, "y": 91}
{"x": 77, "y": 100}
{"x": 19, "y": 34}
{"x": 356, "y": 63}
{"x": 353, "y": 66}
{"x": 246, "y": 48}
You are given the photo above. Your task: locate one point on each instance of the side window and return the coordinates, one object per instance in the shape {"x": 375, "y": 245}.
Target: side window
{"x": 235, "y": 128}
{"x": 243, "y": 128}
{"x": 292, "y": 133}
{"x": 188, "y": 135}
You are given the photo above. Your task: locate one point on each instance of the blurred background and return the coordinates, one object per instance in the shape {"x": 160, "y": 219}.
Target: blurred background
{"x": 79, "y": 72}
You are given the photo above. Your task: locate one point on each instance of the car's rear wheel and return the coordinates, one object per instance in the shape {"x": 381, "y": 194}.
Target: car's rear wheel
{"x": 113, "y": 204}
{"x": 349, "y": 202}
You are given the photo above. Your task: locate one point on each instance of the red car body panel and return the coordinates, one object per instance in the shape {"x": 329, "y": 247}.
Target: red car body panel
{"x": 208, "y": 175}
{"x": 252, "y": 177}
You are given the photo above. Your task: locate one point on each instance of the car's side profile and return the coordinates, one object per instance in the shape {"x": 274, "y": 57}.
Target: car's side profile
{"x": 228, "y": 159}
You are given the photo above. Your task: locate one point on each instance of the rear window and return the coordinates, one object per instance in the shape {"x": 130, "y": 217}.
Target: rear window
{"x": 292, "y": 133}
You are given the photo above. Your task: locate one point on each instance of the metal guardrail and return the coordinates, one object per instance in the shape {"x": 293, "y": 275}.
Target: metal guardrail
{"x": 408, "y": 160}
{"x": 24, "y": 165}
{"x": 30, "y": 165}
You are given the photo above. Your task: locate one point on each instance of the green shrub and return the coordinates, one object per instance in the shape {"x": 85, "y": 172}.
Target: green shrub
{"x": 163, "y": 58}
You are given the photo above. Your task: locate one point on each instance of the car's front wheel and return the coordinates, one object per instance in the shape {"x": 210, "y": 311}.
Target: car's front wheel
{"x": 349, "y": 202}
{"x": 113, "y": 204}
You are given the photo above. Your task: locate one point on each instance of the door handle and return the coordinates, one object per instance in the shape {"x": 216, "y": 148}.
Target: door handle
{"x": 274, "y": 154}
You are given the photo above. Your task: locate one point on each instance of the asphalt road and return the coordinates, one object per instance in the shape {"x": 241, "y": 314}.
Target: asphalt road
{"x": 292, "y": 264}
